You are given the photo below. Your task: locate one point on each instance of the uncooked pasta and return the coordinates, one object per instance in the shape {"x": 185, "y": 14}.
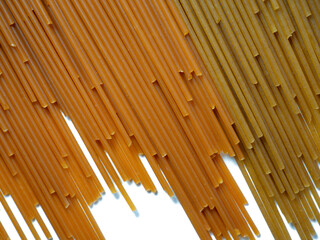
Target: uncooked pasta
{"x": 129, "y": 81}
{"x": 179, "y": 81}
{"x": 263, "y": 56}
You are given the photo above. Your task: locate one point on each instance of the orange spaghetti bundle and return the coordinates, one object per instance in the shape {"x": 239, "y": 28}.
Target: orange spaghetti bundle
{"x": 131, "y": 84}
{"x": 264, "y": 58}
{"x": 40, "y": 161}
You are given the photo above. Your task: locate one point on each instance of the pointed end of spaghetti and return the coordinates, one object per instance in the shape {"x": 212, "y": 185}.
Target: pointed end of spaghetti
{"x": 4, "y": 129}
{"x": 170, "y": 193}
{"x": 134, "y": 209}
{"x": 5, "y": 107}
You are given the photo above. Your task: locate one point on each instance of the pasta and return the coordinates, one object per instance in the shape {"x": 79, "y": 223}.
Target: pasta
{"x": 178, "y": 81}
{"x": 263, "y": 56}
{"x": 131, "y": 84}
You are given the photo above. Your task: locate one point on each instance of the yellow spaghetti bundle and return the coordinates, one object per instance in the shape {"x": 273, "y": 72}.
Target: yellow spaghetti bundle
{"x": 124, "y": 74}
{"x": 263, "y": 56}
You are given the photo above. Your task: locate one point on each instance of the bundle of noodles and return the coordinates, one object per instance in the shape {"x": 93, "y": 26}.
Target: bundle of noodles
{"x": 125, "y": 76}
{"x": 263, "y": 56}
{"x": 40, "y": 161}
